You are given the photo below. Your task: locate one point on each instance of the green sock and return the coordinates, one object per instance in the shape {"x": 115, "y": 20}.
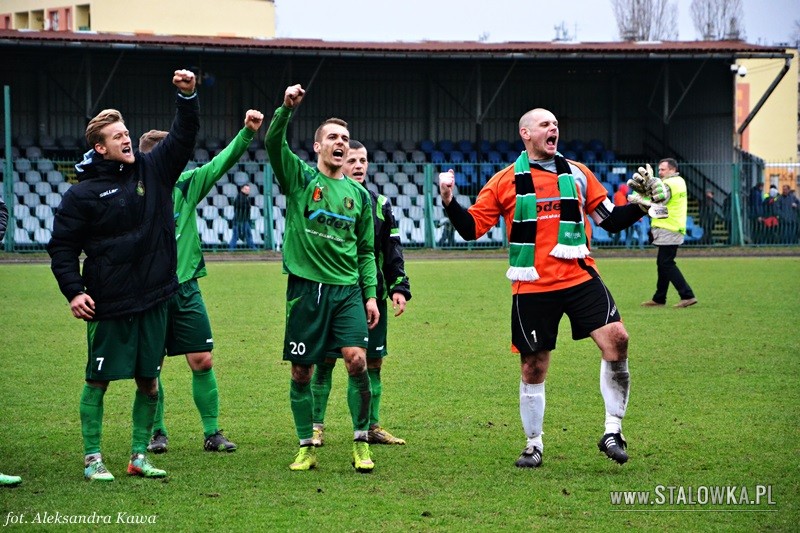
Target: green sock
{"x": 358, "y": 399}
{"x": 302, "y": 408}
{"x": 91, "y": 409}
{"x": 206, "y": 398}
{"x": 144, "y": 410}
{"x": 377, "y": 390}
{"x": 158, "y": 421}
{"x": 321, "y": 383}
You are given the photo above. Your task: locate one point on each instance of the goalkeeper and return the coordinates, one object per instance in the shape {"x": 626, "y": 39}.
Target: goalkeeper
{"x": 546, "y": 202}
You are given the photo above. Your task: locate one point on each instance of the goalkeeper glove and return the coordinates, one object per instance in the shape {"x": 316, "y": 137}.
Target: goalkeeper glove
{"x": 646, "y": 184}
{"x": 654, "y": 209}
{"x": 640, "y": 181}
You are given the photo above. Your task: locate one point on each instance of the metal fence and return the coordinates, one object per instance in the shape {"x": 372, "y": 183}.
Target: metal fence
{"x": 35, "y": 186}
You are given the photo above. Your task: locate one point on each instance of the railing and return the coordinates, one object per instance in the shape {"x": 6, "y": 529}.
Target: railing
{"x": 33, "y": 193}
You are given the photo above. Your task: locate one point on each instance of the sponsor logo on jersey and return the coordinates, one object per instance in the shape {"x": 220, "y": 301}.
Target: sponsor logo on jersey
{"x": 327, "y": 218}
{"x": 110, "y": 191}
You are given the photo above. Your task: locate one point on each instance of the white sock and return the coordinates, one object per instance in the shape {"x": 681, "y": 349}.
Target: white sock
{"x": 531, "y": 410}
{"x": 615, "y": 386}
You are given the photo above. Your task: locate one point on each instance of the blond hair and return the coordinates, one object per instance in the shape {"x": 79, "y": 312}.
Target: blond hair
{"x": 95, "y": 127}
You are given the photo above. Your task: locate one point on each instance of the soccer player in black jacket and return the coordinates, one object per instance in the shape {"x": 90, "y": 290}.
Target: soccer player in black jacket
{"x": 120, "y": 216}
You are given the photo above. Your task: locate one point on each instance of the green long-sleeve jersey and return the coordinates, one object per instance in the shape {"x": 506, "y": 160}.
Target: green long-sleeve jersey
{"x": 192, "y": 186}
{"x": 329, "y": 233}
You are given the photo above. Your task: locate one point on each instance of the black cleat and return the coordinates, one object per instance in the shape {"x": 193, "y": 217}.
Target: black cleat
{"x": 158, "y": 444}
{"x": 531, "y": 457}
{"x": 218, "y": 443}
{"x": 613, "y": 445}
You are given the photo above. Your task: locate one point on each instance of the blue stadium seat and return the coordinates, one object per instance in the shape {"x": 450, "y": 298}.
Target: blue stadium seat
{"x": 609, "y": 187}
{"x": 494, "y": 156}
{"x": 427, "y": 146}
{"x": 437, "y": 157}
{"x": 445, "y": 145}
{"x": 608, "y": 156}
{"x": 455, "y": 157}
{"x": 502, "y": 146}
{"x": 576, "y": 145}
{"x": 595, "y": 145}
{"x": 465, "y": 146}
{"x": 600, "y": 236}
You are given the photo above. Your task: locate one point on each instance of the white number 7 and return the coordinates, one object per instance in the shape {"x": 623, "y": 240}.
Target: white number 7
{"x": 100, "y": 363}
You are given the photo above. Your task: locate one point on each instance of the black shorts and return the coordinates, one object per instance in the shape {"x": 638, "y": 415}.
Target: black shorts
{"x": 535, "y": 316}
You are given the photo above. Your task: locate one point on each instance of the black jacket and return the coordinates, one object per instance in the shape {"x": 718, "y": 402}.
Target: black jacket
{"x": 121, "y": 216}
{"x": 388, "y": 250}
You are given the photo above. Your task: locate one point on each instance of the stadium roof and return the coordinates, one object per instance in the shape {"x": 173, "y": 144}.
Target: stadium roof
{"x": 398, "y": 49}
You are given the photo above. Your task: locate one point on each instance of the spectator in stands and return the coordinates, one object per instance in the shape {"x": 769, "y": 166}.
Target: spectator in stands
{"x": 241, "y": 219}
{"x": 546, "y": 201}
{"x": 772, "y": 220}
{"x": 668, "y": 235}
{"x": 392, "y": 283}
{"x": 189, "y": 329}
{"x": 786, "y": 205}
{"x": 448, "y": 234}
{"x": 5, "y": 479}
{"x": 620, "y": 199}
{"x": 331, "y": 293}
{"x": 755, "y": 211}
{"x": 120, "y": 215}
{"x": 708, "y": 216}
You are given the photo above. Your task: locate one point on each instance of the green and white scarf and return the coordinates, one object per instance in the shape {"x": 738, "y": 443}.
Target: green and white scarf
{"x": 571, "y": 233}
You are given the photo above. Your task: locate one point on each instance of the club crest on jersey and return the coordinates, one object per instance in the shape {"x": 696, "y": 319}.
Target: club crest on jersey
{"x": 140, "y": 188}
{"x": 349, "y": 203}
{"x": 317, "y": 196}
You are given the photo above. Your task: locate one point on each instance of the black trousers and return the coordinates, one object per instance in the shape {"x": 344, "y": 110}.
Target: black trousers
{"x": 668, "y": 272}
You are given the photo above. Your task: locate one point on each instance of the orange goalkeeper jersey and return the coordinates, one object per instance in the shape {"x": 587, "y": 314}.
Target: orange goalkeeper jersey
{"x": 498, "y": 198}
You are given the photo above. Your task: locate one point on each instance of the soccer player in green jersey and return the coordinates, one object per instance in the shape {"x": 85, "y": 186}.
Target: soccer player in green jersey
{"x": 392, "y": 283}
{"x": 188, "y": 328}
{"x": 327, "y": 253}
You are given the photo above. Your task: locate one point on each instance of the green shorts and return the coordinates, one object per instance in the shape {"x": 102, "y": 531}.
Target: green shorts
{"x": 128, "y": 347}
{"x": 188, "y": 327}
{"x": 321, "y": 319}
{"x": 377, "y": 337}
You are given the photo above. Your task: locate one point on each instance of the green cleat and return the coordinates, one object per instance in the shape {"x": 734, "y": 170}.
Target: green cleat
{"x": 139, "y": 465}
{"x": 362, "y": 461}
{"x": 378, "y": 435}
{"x": 318, "y": 439}
{"x": 97, "y": 471}
{"x": 306, "y": 459}
{"x": 11, "y": 481}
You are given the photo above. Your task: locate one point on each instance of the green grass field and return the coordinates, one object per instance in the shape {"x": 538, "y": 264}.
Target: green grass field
{"x": 715, "y": 402}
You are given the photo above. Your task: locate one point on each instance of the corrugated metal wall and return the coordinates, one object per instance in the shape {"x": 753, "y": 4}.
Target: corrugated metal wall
{"x": 618, "y": 102}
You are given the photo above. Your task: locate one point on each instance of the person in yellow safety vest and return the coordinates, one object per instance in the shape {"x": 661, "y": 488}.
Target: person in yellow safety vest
{"x": 668, "y": 234}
